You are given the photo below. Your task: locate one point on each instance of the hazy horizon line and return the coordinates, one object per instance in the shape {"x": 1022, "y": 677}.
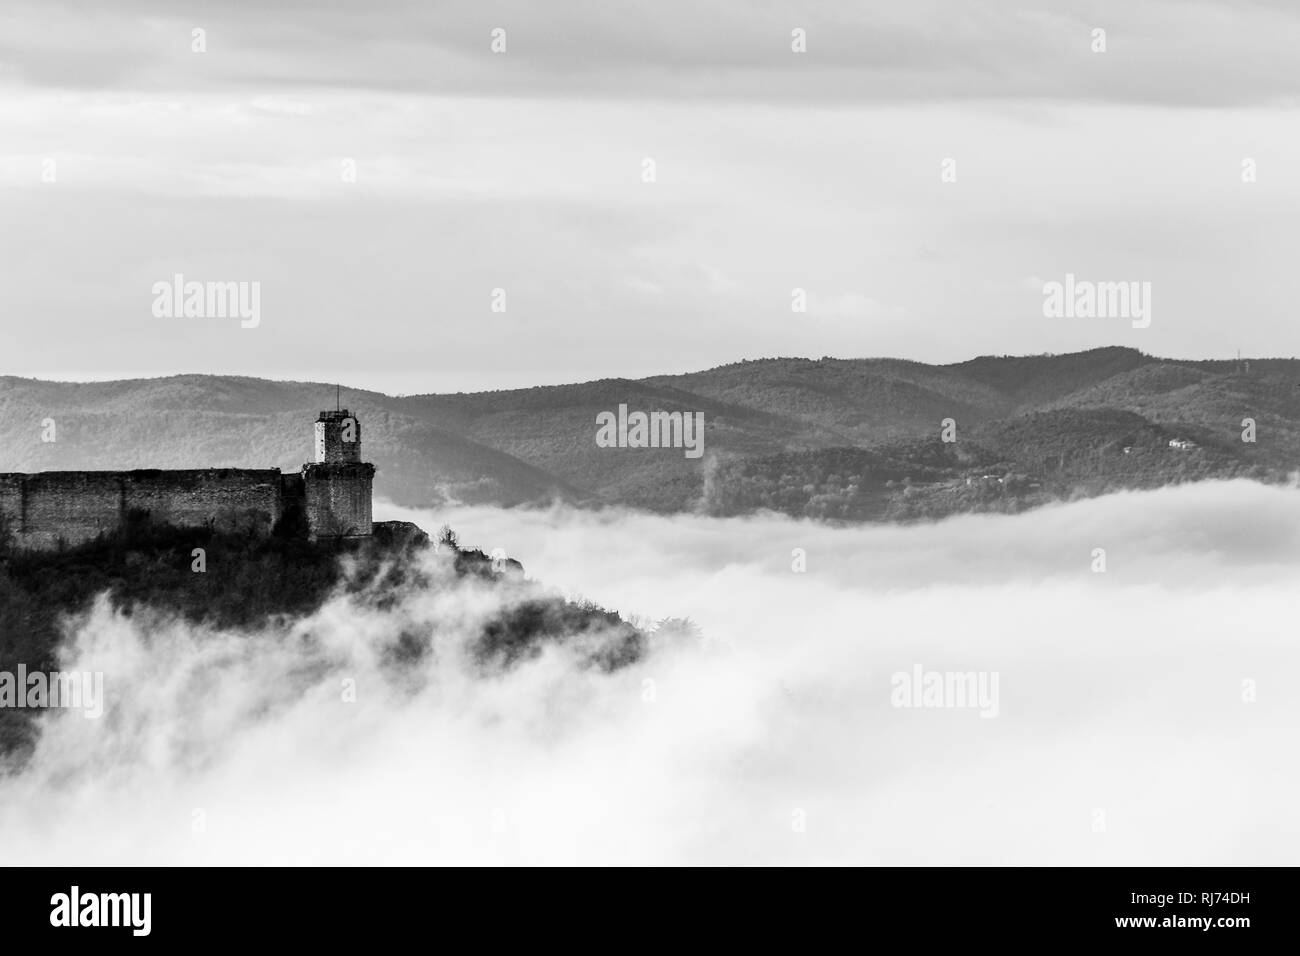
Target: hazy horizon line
{"x": 112, "y": 378}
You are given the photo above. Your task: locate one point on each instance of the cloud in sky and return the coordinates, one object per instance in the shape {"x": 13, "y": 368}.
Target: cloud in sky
{"x": 1167, "y": 52}
{"x": 1119, "y": 692}
{"x": 523, "y": 171}
{"x": 386, "y": 283}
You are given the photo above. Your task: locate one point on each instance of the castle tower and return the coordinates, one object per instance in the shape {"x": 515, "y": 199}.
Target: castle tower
{"x": 338, "y": 437}
{"x": 338, "y": 484}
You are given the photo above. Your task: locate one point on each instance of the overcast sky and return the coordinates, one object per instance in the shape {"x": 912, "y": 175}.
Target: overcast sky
{"x": 523, "y": 170}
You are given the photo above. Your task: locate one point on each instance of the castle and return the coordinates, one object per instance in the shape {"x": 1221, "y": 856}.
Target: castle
{"x": 332, "y": 494}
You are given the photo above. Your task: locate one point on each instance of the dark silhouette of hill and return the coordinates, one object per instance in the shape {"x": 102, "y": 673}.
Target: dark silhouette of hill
{"x": 856, "y": 439}
{"x": 252, "y": 581}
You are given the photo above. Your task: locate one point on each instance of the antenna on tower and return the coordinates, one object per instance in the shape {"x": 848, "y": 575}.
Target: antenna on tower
{"x": 338, "y": 397}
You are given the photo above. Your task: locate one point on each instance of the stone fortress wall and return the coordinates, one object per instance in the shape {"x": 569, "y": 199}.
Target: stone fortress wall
{"x": 66, "y": 508}
{"x": 76, "y": 506}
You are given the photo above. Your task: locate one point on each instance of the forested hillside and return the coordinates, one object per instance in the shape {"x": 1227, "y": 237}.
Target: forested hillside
{"x": 851, "y": 439}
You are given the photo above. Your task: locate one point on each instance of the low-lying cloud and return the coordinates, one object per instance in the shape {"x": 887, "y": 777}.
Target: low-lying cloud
{"x": 1144, "y": 713}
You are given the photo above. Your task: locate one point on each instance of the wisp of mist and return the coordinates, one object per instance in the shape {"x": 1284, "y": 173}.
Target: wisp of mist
{"x": 1145, "y": 714}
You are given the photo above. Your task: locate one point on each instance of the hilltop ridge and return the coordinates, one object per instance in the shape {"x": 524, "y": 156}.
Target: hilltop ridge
{"x": 851, "y": 439}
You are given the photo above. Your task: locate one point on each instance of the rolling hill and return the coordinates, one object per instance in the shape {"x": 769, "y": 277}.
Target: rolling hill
{"x": 839, "y": 439}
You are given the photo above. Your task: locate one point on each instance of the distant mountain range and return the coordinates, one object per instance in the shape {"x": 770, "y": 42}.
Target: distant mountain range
{"x": 839, "y": 439}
